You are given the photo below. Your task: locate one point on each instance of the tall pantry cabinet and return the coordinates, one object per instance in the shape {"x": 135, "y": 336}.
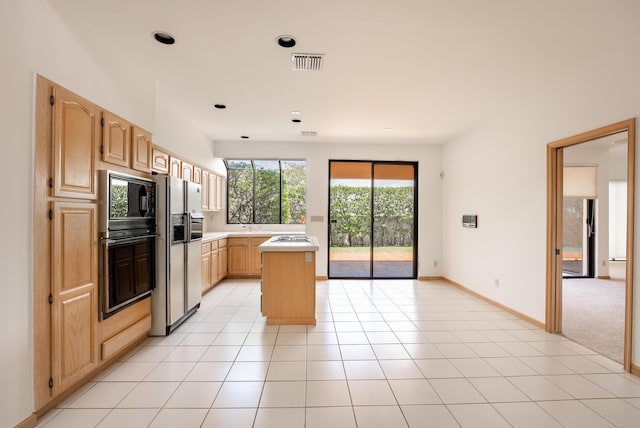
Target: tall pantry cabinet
{"x": 65, "y": 244}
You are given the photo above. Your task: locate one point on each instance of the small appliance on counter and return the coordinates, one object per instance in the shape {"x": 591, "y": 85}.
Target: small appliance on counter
{"x": 178, "y": 275}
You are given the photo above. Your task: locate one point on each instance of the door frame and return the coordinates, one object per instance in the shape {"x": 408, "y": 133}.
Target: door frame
{"x": 415, "y": 216}
{"x": 555, "y": 162}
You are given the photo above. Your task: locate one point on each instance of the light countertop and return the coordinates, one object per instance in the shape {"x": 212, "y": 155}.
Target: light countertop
{"x": 212, "y": 236}
{"x": 277, "y": 244}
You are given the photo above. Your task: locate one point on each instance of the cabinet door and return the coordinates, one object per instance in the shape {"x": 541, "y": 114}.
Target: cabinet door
{"x": 160, "y": 161}
{"x": 220, "y": 192}
{"x": 222, "y": 263}
{"x": 187, "y": 171}
{"x": 197, "y": 175}
{"x": 74, "y": 311}
{"x": 212, "y": 191}
{"x": 214, "y": 267}
{"x": 256, "y": 262}
{"x": 206, "y": 269}
{"x": 205, "y": 189}
{"x": 141, "y": 150}
{"x": 116, "y": 139}
{"x": 175, "y": 166}
{"x": 238, "y": 260}
{"x": 76, "y": 128}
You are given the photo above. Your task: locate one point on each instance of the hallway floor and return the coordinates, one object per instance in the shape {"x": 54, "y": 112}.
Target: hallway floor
{"x": 394, "y": 353}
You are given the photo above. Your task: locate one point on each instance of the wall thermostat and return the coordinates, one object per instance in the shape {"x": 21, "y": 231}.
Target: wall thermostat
{"x": 470, "y": 221}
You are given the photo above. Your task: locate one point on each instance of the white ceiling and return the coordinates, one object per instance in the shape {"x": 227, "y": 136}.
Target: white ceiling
{"x": 429, "y": 70}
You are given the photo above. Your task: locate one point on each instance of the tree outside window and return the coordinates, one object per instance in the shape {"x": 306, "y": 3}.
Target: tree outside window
{"x": 266, "y": 191}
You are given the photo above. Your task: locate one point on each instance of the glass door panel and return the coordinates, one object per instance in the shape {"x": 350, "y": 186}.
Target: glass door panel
{"x": 578, "y": 238}
{"x": 350, "y": 220}
{"x": 372, "y": 227}
{"x": 393, "y": 220}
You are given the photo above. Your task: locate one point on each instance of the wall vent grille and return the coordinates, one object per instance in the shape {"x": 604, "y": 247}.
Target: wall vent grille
{"x": 306, "y": 62}
{"x": 308, "y": 133}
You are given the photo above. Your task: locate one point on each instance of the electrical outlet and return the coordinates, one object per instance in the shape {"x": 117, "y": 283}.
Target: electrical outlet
{"x": 496, "y": 282}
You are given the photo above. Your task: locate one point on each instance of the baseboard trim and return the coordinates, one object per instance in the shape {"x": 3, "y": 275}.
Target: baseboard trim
{"x": 499, "y": 305}
{"x": 430, "y": 278}
{"x": 322, "y": 278}
{"x": 635, "y": 370}
{"x": 604, "y": 277}
{"x": 29, "y": 422}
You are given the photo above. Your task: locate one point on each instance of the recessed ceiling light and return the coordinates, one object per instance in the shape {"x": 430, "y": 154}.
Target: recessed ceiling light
{"x": 296, "y": 120}
{"x": 164, "y": 37}
{"x": 220, "y": 106}
{"x": 245, "y": 137}
{"x": 286, "y": 41}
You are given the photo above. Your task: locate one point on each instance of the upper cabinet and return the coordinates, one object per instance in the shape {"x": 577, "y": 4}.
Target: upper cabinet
{"x": 187, "y": 171}
{"x": 160, "y": 161}
{"x": 197, "y": 175}
{"x": 116, "y": 139}
{"x": 214, "y": 193}
{"x": 141, "y": 150}
{"x": 204, "y": 182}
{"x": 76, "y": 128}
{"x": 175, "y": 166}
{"x": 125, "y": 144}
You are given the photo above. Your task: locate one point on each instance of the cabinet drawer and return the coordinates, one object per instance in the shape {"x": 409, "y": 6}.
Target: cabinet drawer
{"x": 206, "y": 247}
{"x": 222, "y": 243}
{"x": 214, "y": 245}
{"x": 239, "y": 242}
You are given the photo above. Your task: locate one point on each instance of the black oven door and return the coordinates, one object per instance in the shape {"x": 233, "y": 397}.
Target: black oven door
{"x": 127, "y": 272}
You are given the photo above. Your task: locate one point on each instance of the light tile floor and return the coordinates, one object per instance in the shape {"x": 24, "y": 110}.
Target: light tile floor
{"x": 383, "y": 354}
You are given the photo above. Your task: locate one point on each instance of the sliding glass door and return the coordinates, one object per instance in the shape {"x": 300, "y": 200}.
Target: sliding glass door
{"x": 372, "y": 219}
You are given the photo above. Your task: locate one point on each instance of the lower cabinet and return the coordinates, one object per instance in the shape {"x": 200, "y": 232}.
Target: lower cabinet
{"x": 214, "y": 263}
{"x": 244, "y": 256}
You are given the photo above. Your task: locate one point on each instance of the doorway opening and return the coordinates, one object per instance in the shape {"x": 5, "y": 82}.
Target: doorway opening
{"x": 589, "y": 292}
{"x": 372, "y": 219}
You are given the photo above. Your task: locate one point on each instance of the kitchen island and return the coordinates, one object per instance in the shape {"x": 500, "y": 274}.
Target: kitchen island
{"x": 289, "y": 279}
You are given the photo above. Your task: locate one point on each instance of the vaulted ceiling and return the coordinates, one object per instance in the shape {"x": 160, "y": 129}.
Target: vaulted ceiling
{"x": 404, "y": 71}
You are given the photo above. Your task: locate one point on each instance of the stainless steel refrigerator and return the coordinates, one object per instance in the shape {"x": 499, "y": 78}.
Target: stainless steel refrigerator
{"x": 178, "y": 253}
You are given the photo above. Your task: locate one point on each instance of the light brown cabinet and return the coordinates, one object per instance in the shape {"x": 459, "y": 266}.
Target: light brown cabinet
{"x": 159, "y": 161}
{"x": 215, "y": 191}
{"x": 187, "y": 171}
{"x": 116, "y": 139}
{"x": 204, "y": 182}
{"x": 212, "y": 265}
{"x": 223, "y": 252}
{"x": 74, "y": 311}
{"x": 244, "y": 256}
{"x": 70, "y": 343}
{"x": 175, "y": 166}
{"x": 289, "y": 287}
{"x": 141, "y": 149}
{"x": 197, "y": 175}
{"x": 75, "y": 129}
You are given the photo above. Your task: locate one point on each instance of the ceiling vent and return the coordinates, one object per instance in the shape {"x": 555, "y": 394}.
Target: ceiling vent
{"x": 306, "y": 62}
{"x": 308, "y": 133}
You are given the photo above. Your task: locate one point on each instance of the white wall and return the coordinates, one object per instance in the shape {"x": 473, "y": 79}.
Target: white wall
{"x": 317, "y": 156}
{"x": 38, "y": 40}
{"x": 498, "y": 171}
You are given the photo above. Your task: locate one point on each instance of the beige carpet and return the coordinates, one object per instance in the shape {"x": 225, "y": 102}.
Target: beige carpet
{"x": 593, "y": 312}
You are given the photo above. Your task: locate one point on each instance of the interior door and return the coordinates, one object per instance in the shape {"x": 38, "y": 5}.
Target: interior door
{"x": 372, "y": 219}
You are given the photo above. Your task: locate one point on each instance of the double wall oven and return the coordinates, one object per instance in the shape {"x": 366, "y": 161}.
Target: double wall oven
{"x": 128, "y": 241}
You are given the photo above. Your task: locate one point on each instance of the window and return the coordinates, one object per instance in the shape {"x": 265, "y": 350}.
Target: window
{"x": 266, "y": 191}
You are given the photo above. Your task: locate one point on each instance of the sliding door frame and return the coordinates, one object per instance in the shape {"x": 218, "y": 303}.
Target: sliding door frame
{"x": 555, "y": 162}
{"x": 371, "y": 225}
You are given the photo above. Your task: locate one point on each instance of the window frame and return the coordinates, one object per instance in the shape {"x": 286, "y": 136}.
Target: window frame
{"x": 254, "y": 169}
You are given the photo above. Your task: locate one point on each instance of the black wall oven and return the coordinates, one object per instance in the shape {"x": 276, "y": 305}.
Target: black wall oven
{"x": 128, "y": 234}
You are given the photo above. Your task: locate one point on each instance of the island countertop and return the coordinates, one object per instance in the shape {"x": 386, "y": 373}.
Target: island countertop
{"x": 290, "y": 243}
